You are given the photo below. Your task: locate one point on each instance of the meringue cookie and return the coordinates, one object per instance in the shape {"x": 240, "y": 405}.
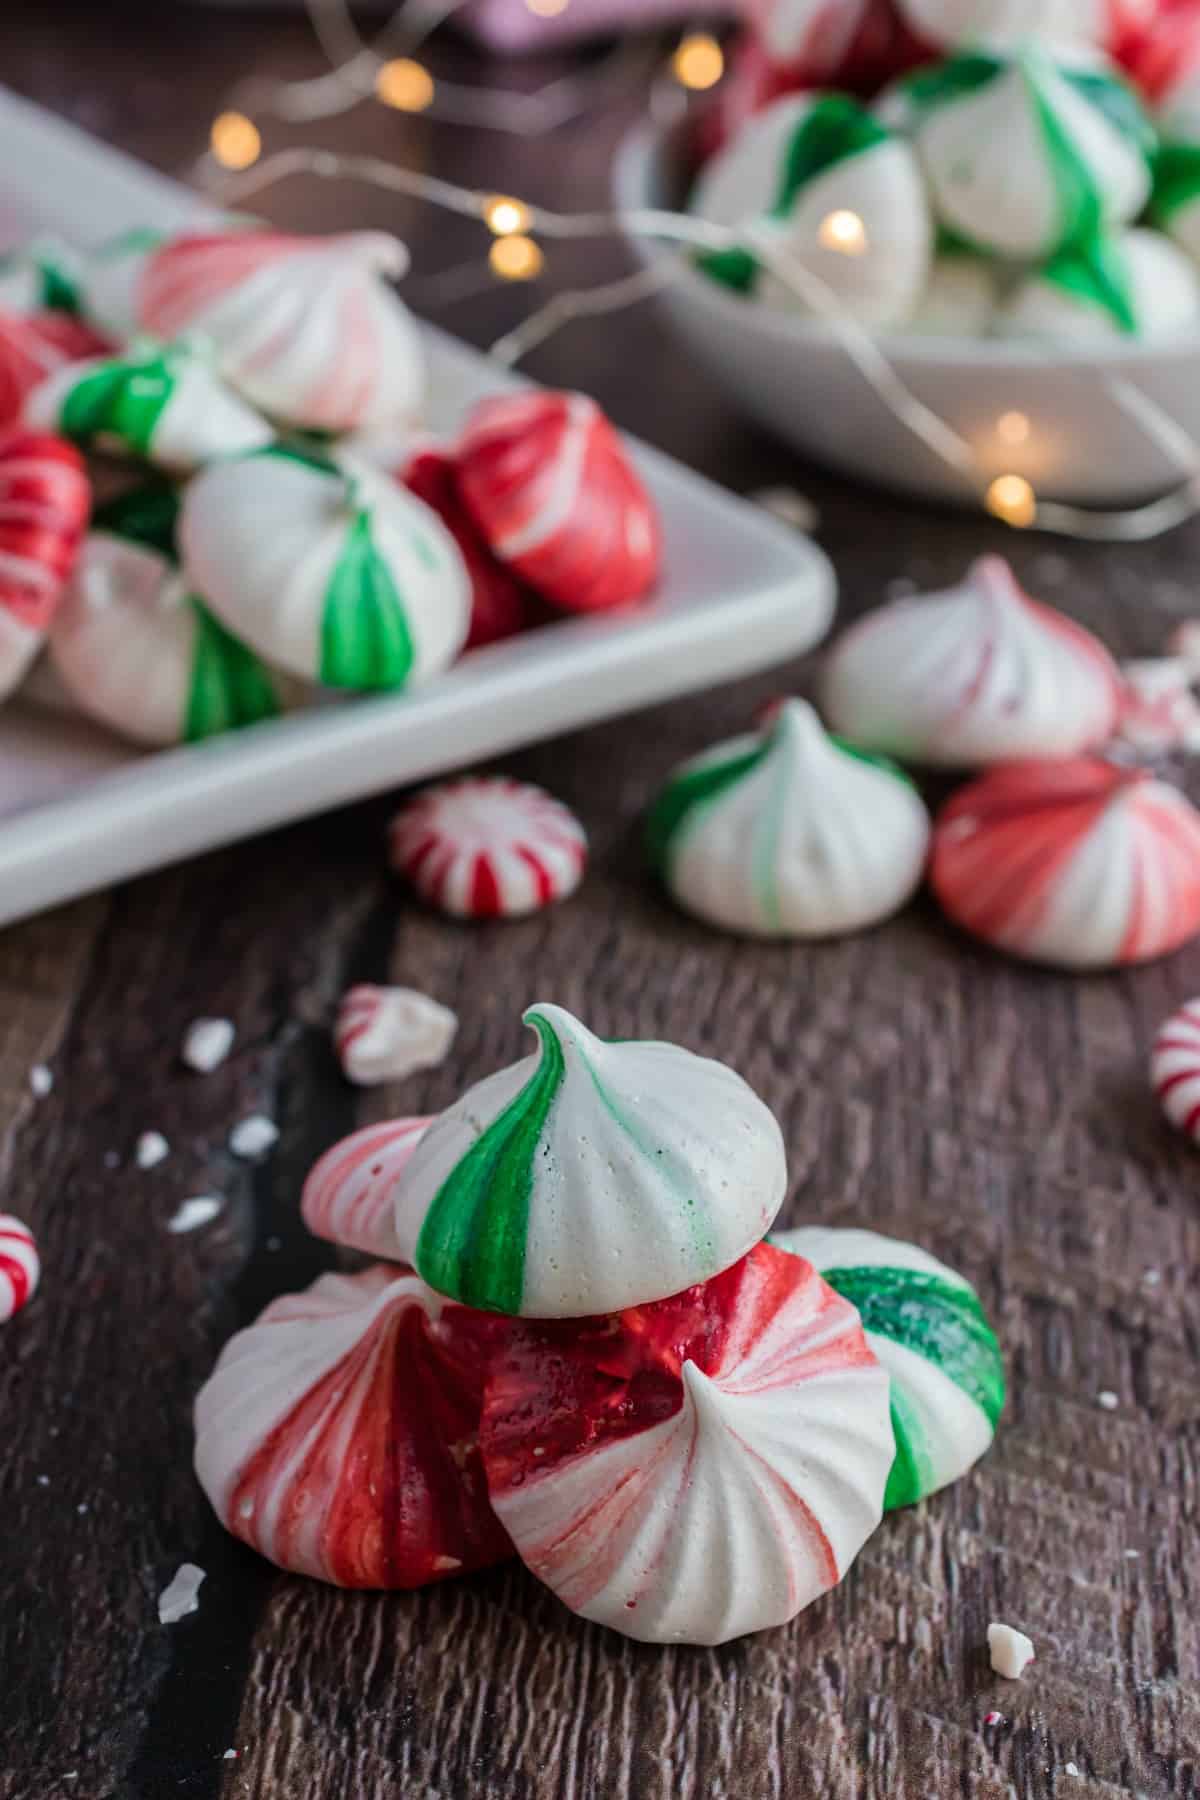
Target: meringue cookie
{"x": 787, "y": 833}
{"x": 1027, "y": 152}
{"x": 42, "y": 275}
{"x": 338, "y": 1435}
{"x": 927, "y": 1328}
{"x": 109, "y": 281}
{"x": 1133, "y": 285}
{"x": 33, "y": 346}
{"x": 1164, "y": 65}
{"x": 328, "y": 569}
{"x": 699, "y": 1468}
{"x": 488, "y": 847}
{"x": 385, "y": 1033}
{"x": 349, "y": 1196}
{"x": 557, "y": 500}
{"x": 138, "y": 650}
{"x": 1175, "y": 205}
{"x": 975, "y": 675}
{"x": 20, "y": 1266}
{"x": 852, "y": 45}
{"x": 45, "y": 498}
{"x": 163, "y": 404}
{"x": 500, "y": 606}
{"x": 589, "y": 1177}
{"x": 949, "y": 24}
{"x": 1175, "y": 1069}
{"x": 826, "y": 185}
{"x": 1077, "y": 863}
{"x": 959, "y": 298}
{"x": 305, "y": 327}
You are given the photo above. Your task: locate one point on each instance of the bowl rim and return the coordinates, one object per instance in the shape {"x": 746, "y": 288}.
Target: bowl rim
{"x": 633, "y": 189}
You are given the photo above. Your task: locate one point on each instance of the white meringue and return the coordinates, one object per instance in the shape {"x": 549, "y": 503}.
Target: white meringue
{"x": 709, "y": 1466}
{"x": 109, "y": 279}
{"x": 589, "y": 1177}
{"x": 975, "y": 675}
{"x": 959, "y": 298}
{"x": 927, "y": 1328}
{"x": 951, "y": 23}
{"x": 328, "y": 569}
{"x": 787, "y": 833}
{"x": 1026, "y": 152}
{"x": 1137, "y": 284}
{"x": 1176, "y": 202}
{"x": 824, "y": 183}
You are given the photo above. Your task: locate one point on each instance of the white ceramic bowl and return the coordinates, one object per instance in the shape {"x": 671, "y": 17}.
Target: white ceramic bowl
{"x": 792, "y": 375}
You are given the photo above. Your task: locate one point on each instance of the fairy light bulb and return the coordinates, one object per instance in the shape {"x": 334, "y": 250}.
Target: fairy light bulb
{"x": 546, "y": 9}
{"x": 516, "y": 258}
{"x": 1011, "y": 498}
{"x": 844, "y": 232}
{"x": 699, "y": 61}
{"x": 505, "y": 216}
{"x": 405, "y": 84}
{"x": 235, "y": 140}
{"x": 1013, "y": 428}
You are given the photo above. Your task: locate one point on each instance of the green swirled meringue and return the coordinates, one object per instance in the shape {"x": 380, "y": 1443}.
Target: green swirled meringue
{"x": 589, "y": 1177}
{"x": 927, "y": 1328}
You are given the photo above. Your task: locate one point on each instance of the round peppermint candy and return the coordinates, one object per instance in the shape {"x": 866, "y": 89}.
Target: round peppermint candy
{"x": 500, "y": 606}
{"x": 34, "y": 346}
{"x": 167, "y": 406}
{"x": 486, "y": 847}
{"x": 349, "y": 1196}
{"x": 696, "y": 1469}
{"x": 327, "y": 569}
{"x": 927, "y": 1328}
{"x": 549, "y": 485}
{"x": 978, "y": 674}
{"x": 139, "y": 650}
{"x": 45, "y": 498}
{"x": 338, "y": 1435}
{"x": 1175, "y": 1069}
{"x": 1027, "y": 151}
{"x": 590, "y": 1176}
{"x": 20, "y": 1266}
{"x": 786, "y": 832}
{"x": 306, "y": 328}
{"x": 1078, "y": 863}
{"x": 799, "y": 177}
{"x": 1133, "y": 284}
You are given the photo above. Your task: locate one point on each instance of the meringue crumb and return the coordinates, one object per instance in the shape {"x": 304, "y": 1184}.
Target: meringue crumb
{"x": 195, "y": 1212}
{"x": 1152, "y": 1277}
{"x": 254, "y": 1136}
{"x": 1009, "y": 1650}
{"x": 1132, "y": 1555}
{"x": 1070, "y": 1769}
{"x": 41, "y": 1081}
{"x": 180, "y": 1596}
{"x": 1108, "y": 1400}
{"x": 229, "y": 1756}
{"x": 207, "y": 1044}
{"x": 152, "y": 1148}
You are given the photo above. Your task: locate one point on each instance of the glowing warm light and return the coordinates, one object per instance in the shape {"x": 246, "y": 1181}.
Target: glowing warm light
{"x": 1012, "y": 428}
{"x": 699, "y": 62}
{"x": 506, "y": 216}
{"x": 405, "y": 84}
{"x": 1011, "y": 498}
{"x": 546, "y": 9}
{"x": 843, "y": 231}
{"x": 516, "y": 259}
{"x": 234, "y": 140}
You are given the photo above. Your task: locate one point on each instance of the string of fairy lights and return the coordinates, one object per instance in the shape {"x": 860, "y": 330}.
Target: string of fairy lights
{"x": 388, "y": 71}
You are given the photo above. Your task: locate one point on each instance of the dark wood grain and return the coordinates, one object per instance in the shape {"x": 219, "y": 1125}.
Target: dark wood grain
{"x": 996, "y": 1114}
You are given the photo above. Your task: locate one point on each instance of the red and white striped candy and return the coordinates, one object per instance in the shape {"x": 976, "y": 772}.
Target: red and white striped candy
{"x": 500, "y": 606}
{"x": 487, "y": 847}
{"x": 45, "y": 499}
{"x": 349, "y": 1196}
{"x": 1175, "y": 1069}
{"x": 697, "y": 1468}
{"x": 1077, "y": 863}
{"x": 34, "y": 345}
{"x": 385, "y": 1033}
{"x": 549, "y": 485}
{"x": 338, "y": 1435}
{"x": 20, "y": 1266}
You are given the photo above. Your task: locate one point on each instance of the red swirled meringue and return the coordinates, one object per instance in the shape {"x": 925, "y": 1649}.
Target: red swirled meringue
{"x": 1079, "y": 863}
{"x": 45, "y": 499}
{"x": 338, "y": 1435}
{"x": 978, "y": 674}
{"x": 697, "y": 1468}
{"x": 548, "y": 483}
{"x": 500, "y": 606}
{"x": 33, "y": 346}
{"x": 349, "y": 1196}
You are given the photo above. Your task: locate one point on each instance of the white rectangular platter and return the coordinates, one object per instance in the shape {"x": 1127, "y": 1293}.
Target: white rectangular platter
{"x": 79, "y": 811}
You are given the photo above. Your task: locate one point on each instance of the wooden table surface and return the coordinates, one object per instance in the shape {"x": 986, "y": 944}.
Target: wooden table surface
{"x": 998, "y": 1115}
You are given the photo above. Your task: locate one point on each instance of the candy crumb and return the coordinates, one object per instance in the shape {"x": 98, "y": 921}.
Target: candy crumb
{"x": 229, "y": 1756}
{"x": 254, "y": 1136}
{"x": 207, "y": 1044}
{"x": 180, "y": 1596}
{"x": 41, "y": 1081}
{"x": 1010, "y": 1650}
{"x": 1108, "y": 1400}
{"x": 993, "y": 1718}
{"x": 152, "y": 1148}
{"x": 194, "y": 1213}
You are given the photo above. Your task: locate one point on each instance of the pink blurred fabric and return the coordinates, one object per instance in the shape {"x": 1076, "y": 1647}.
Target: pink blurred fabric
{"x": 508, "y": 25}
